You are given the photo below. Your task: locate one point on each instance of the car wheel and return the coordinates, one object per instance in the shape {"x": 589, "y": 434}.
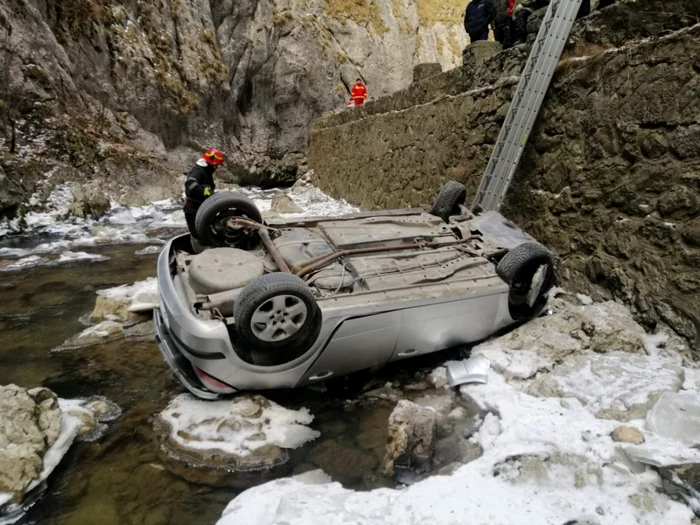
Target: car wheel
{"x": 448, "y": 200}
{"x": 196, "y": 245}
{"x": 529, "y": 271}
{"x": 277, "y": 318}
{"x": 212, "y": 215}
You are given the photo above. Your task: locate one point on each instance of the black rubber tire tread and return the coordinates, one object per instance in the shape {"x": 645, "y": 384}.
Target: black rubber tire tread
{"x": 222, "y": 201}
{"x": 255, "y": 294}
{"x": 447, "y": 202}
{"x": 517, "y": 268}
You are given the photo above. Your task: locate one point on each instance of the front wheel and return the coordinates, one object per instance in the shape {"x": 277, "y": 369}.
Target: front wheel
{"x": 447, "y": 203}
{"x": 213, "y": 215}
{"x": 529, "y": 271}
{"x": 277, "y": 318}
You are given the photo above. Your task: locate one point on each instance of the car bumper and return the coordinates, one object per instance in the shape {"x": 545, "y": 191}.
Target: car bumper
{"x": 177, "y": 362}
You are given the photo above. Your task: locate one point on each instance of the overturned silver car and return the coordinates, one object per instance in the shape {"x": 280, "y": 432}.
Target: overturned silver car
{"x": 261, "y": 305}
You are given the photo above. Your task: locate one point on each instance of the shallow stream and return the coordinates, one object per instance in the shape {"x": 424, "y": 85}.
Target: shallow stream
{"x": 123, "y": 478}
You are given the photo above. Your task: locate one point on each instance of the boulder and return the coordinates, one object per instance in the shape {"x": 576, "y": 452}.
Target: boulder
{"x": 477, "y": 52}
{"x": 411, "y": 439}
{"x": 90, "y": 200}
{"x": 217, "y": 443}
{"x": 30, "y": 423}
{"x": 623, "y": 434}
{"x": 282, "y": 203}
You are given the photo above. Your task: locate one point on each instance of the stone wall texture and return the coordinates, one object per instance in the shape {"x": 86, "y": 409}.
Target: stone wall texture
{"x": 610, "y": 178}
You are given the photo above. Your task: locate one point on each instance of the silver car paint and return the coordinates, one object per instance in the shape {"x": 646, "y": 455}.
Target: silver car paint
{"x": 385, "y": 327}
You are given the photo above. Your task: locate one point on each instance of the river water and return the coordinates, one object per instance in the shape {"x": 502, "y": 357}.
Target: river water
{"x": 123, "y": 477}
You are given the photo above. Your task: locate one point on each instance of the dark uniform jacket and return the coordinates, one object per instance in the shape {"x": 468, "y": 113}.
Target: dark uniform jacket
{"x": 200, "y": 177}
{"x": 478, "y": 16}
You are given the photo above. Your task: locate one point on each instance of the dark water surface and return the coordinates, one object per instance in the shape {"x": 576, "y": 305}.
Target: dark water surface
{"x": 122, "y": 479}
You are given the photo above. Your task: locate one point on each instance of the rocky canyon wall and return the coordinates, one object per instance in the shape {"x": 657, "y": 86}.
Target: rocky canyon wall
{"x": 156, "y": 81}
{"x": 610, "y": 177}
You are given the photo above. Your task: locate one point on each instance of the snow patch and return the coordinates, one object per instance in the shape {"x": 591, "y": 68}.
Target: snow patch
{"x": 217, "y": 425}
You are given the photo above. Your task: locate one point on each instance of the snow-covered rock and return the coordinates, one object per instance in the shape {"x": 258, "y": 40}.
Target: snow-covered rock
{"x": 548, "y": 458}
{"x": 248, "y": 433}
{"x": 125, "y": 302}
{"x": 97, "y": 334}
{"x": 36, "y": 430}
{"x": 612, "y": 386}
{"x": 600, "y": 327}
{"x": 676, "y": 415}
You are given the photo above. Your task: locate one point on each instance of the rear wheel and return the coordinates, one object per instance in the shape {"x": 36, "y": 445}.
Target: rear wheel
{"x": 529, "y": 271}
{"x": 277, "y": 318}
{"x": 447, "y": 203}
{"x": 212, "y": 217}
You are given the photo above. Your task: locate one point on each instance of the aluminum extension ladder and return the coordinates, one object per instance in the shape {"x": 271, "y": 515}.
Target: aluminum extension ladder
{"x": 533, "y": 85}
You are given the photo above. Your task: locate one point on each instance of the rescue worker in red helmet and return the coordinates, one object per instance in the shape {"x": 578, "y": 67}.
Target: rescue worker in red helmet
{"x": 199, "y": 185}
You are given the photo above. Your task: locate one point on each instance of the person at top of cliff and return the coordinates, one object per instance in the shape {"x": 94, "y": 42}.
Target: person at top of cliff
{"x": 521, "y": 12}
{"x": 500, "y": 21}
{"x": 199, "y": 185}
{"x": 358, "y": 93}
{"x": 477, "y": 17}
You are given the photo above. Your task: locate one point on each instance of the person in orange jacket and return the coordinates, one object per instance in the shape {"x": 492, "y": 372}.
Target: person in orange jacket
{"x": 358, "y": 93}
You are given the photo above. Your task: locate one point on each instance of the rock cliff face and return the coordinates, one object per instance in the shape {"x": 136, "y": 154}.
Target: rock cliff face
{"x": 89, "y": 79}
{"x": 609, "y": 178}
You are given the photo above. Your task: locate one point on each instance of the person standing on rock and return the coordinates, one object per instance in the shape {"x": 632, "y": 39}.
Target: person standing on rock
{"x": 199, "y": 185}
{"x": 477, "y": 18}
{"x": 522, "y": 11}
{"x": 358, "y": 93}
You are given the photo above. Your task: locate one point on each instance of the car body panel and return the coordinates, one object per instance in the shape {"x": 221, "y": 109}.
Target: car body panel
{"x": 402, "y": 304}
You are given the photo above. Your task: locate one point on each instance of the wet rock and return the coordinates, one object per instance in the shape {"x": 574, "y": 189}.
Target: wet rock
{"x": 681, "y": 482}
{"x": 612, "y": 386}
{"x": 141, "y": 331}
{"x": 624, "y": 434}
{"x": 411, "y": 441}
{"x": 342, "y": 463}
{"x": 217, "y": 442}
{"x": 676, "y": 415}
{"x": 282, "y": 203}
{"x": 30, "y": 424}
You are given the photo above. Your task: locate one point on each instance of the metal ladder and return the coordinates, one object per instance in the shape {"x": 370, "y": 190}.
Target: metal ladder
{"x": 533, "y": 85}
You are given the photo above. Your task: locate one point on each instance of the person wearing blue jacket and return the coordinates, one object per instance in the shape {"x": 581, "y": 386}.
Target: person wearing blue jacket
{"x": 477, "y": 17}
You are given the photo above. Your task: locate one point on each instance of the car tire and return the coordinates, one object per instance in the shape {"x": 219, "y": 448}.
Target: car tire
{"x": 528, "y": 288}
{"x": 277, "y": 318}
{"x": 213, "y": 212}
{"x": 448, "y": 200}
{"x": 197, "y": 246}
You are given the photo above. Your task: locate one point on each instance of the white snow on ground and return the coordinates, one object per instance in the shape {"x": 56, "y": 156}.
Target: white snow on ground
{"x": 137, "y": 225}
{"x": 217, "y": 425}
{"x": 547, "y": 459}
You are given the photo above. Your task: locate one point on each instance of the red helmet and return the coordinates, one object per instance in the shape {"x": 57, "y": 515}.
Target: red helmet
{"x": 213, "y": 157}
